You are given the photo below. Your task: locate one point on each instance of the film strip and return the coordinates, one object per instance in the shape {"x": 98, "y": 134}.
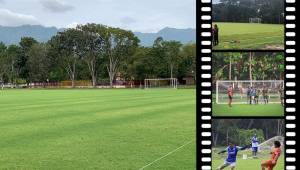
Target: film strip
{"x": 204, "y": 105}
{"x": 290, "y": 84}
{"x": 205, "y": 92}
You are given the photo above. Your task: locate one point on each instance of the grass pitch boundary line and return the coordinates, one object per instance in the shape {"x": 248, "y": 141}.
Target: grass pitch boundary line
{"x": 160, "y": 158}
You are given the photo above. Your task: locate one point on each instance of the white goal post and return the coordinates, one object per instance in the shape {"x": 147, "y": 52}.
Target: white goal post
{"x": 273, "y": 90}
{"x": 255, "y": 20}
{"x": 161, "y": 83}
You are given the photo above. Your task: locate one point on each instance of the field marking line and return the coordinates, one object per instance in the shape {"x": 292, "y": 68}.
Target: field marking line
{"x": 156, "y": 160}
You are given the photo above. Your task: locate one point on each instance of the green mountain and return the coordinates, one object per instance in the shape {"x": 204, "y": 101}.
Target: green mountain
{"x": 12, "y": 35}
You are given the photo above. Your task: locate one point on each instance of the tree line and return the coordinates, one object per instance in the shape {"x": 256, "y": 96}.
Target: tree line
{"x": 240, "y": 131}
{"x": 269, "y": 11}
{"x": 248, "y": 66}
{"x": 97, "y": 53}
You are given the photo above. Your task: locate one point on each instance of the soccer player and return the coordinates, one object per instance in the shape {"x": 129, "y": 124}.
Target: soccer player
{"x": 281, "y": 91}
{"x": 230, "y": 95}
{"x": 248, "y": 95}
{"x": 232, "y": 151}
{"x": 253, "y": 94}
{"x": 265, "y": 95}
{"x": 256, "y": 97}
{"x": 216, "y": 35}
{"x": 271, "y": 163}
{"x": 254, "y": 142}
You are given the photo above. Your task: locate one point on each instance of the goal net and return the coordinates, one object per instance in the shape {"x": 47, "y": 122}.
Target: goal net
{"x": 161, "y": 83}
{"x": 254, "y": 20}
{"x": 272, "y": 90}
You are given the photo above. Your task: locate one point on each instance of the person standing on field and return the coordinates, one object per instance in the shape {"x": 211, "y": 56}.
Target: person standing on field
{"x": 254, "y": 142}
{"x": 265, "y": 95}
{"x": 230, "y": 95}
{"x": 213, "y": 36}
{"x": 216, "y": 35}
{"x": 248, "y": 95}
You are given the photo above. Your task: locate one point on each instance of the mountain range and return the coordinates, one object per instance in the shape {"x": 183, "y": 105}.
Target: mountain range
{"x": 12, "y": 35}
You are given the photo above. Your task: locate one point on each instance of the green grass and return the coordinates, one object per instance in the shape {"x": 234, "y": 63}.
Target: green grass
{"x": 250, "y": 36}
{"x": 97, "y": 129}
{"x": 248, "y": 110}
{"x": 248, "y": 164}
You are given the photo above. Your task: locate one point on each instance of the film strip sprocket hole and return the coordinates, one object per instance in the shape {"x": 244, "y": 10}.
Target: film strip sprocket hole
{"x": 204, "y": 89}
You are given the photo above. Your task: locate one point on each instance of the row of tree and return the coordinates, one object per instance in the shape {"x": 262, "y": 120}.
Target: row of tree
{"x": 248, "y": 66}
{"x": 94, "y": 52}
{"x": 240, "y": 131}
{"x": 269, "y": 11}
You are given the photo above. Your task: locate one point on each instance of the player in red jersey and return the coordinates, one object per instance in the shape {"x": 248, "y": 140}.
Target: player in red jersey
{"x": 271, "y": 163}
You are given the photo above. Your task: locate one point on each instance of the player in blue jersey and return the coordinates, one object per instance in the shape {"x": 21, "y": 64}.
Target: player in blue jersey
{"x": 232, "y": 151}
{"x": 254, "y": 142}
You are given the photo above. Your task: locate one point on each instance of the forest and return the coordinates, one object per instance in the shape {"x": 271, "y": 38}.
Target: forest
{"x": 240, "y": 131}
{"x": 269, "y": 11}
{"x": 95, "y": 53}
{"x": 248, "y": 66}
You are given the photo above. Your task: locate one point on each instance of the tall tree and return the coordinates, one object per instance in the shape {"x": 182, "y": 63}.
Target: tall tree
{"x": 69, "y": 44}
{"x": 26, "y": 43}
{"x": 13, "y": 58}
{"x": 38, "y": 63}
{"x": 93, "y": 47}
{"x": 172, "y": 50}
{"x": 119, "y": 44}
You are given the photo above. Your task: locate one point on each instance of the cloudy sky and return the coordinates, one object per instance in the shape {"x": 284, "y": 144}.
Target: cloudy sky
{"x": 136, "y": 15}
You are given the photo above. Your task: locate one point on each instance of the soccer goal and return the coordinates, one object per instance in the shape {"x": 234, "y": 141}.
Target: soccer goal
{"x": 161, "y": 83}
{"x": 255, "y": 20}
{"x": 272, "y": 89}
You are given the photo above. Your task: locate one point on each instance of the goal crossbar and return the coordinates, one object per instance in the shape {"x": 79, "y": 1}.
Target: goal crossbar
{"x": 171, "y": 82}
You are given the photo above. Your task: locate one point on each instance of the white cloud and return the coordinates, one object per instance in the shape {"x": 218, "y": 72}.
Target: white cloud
{"x": 9, "y": 18}
{"x": 72, "y": 25}
{"x": 56, "y": 5}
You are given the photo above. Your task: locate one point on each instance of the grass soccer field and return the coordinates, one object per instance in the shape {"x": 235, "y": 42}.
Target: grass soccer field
{"x": 115, "y": 129}
{"x": 248, "y": 110}
{"x": 246, "y": 164}
{"x": 250, "y": 36}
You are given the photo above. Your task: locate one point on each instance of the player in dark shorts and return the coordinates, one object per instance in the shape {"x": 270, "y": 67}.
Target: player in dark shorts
{"x": 265, "y": 95}
{"x": 230, "y": 95}
{"x": 256, "y": 95}
{"x": 216, "y": 35}
{"x": 249, "y": 95}
{"x": 281, "y": 91}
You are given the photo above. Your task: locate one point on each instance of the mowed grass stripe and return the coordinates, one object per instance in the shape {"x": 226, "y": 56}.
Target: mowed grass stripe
{"x": 252, "y": 36}
{"x": 104, "y": 103}
{"x": 102, "y": 119}
{"x": 93, "y": 136}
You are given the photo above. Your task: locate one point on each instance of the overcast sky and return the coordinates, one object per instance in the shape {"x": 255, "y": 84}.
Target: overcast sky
{"x": 136, "y": 15}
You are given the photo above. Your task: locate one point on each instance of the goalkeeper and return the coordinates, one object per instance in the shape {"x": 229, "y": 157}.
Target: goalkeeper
{"x": 232, "y": 151}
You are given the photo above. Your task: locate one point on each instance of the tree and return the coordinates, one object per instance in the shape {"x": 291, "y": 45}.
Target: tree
{"x": 3, "y": 66}
{"x": 69, "y": 44}
{"x": 26, "y": 43}
{"x": 12, "y": 60}
{"x": 187, "y": 66}
{"x": 93, "y": 47}
{"x": 119, "y": 44}
{"x": 38, "y": 63}
{"x": 172, "y": 50}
